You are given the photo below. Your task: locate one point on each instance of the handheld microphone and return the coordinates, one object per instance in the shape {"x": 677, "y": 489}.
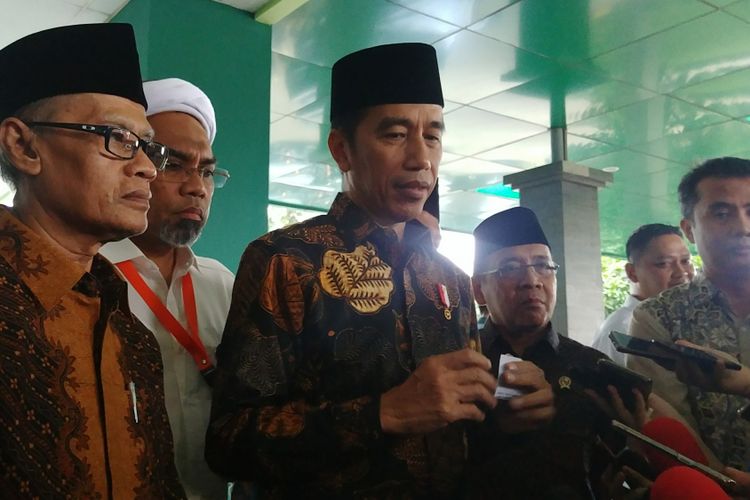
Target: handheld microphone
{"x": 684, "y": 483}
{"x": 674, "y": 434}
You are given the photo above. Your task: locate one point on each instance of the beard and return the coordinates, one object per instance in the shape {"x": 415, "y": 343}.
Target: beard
{"x": 182, "y": 233}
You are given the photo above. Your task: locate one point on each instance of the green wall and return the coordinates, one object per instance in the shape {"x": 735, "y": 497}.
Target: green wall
{"x": 227, "y": 54}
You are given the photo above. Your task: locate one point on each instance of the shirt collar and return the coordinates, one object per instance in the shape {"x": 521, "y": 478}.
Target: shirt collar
{"x": 631, "y": 301}
{"x": 355, "y": 221}
{"x": 46, "y": 270}
{"x": 551, "y": 339}
{"x": 124, "y": 250}
{"x": 712, "y": 291}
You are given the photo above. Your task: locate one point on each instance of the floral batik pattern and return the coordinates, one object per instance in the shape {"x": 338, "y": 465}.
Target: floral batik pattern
{"x": 326, "y": 316}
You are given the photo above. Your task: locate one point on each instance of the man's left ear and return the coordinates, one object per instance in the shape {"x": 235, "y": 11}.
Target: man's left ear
{"x": 338, "y": 145}
{"x": 17, "y": 141}
{"x": 630, "y": 272}
{"x": 687, "y": 228}
{"x": 478, "y": 294}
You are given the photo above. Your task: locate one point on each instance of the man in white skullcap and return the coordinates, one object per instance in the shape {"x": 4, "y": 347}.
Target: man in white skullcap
{"x": 182, "y": 298}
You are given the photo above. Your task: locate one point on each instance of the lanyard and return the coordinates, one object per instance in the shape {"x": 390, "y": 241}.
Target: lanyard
{"x": 188, "y": 339}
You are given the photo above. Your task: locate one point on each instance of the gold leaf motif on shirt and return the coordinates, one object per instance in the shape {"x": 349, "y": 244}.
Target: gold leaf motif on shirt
{"x": 359, "y": 277}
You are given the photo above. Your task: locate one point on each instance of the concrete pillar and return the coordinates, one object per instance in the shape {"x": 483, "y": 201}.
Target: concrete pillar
{"x": 564, "y": 196}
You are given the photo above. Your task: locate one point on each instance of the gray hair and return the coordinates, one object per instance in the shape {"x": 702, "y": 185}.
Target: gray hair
{"x": 8, "y": 171}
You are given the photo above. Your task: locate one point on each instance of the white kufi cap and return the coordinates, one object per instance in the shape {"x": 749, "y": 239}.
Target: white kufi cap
{"x": 173, "y": 94}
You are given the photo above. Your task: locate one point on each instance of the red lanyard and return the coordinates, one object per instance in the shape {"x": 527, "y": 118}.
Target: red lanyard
{"x": 188, "y": 339}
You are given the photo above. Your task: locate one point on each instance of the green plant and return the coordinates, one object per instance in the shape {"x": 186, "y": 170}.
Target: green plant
{"x": 615, "y": 283}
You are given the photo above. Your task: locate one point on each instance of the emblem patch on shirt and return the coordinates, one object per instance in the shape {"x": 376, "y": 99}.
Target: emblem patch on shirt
{"x": 359, "y": 277}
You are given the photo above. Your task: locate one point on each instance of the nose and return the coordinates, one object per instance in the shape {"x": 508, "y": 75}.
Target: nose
{"x": 530, "y": 278}
{"x": 745, "y": 222}
{"x": 418, "y": 157}
{"x": 142, "y": 166}
{"x": 194, "y": 185}
{"x": 682, "y": 269}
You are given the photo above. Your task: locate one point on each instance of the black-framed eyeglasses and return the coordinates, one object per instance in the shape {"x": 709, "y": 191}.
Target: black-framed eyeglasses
{"x": 177, "y": 171}
{"x": 119, "y": 141}
{"x": 514, "y": 270}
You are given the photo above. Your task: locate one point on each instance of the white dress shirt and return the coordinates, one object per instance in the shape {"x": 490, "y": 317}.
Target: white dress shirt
{"x": 619, "y": 321}
{"x": 187, "y": 395}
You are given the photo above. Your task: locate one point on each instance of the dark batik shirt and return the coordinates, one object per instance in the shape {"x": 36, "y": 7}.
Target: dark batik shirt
{"x": 69, "y": 348}
{"x": 554, "y": 462}
{"x": 326, "y": 316}
{"x": 698, "y": 312}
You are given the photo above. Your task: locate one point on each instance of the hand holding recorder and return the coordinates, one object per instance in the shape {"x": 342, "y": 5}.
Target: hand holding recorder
{"x": 720, "y": 378}
{"x": 670, "y": 355}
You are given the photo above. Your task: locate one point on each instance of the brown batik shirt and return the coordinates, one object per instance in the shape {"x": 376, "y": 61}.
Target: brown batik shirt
{"x": 70, "y": 352}
{"x": 326, "y": 316}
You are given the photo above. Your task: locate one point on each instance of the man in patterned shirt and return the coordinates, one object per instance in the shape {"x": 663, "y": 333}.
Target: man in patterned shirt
{"x": 81, "y": 398}
{"x": 350, "y": 357}
{"x": 713, "y": 310}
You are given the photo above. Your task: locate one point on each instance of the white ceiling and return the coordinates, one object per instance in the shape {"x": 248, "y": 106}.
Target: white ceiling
{"x": 23, "y": 17}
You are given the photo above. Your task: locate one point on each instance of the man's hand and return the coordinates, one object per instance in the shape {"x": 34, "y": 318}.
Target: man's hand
{"x": 615, "y": 408}
{"x": 532, "y": 410}
{"x": 443, "y": 389}
{"x": 742, "y": 490}
{"x": 612, "y": 483}
{"x": 719, "y": 379}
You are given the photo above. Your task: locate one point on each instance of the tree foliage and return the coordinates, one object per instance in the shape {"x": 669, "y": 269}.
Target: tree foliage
{"x": 615, "y": 283}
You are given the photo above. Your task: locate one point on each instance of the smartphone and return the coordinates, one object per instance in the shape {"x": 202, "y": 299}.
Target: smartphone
{"x": 666, "y": 354}
{"x": 726, "y": 482}
{"x": 607, "y": 372}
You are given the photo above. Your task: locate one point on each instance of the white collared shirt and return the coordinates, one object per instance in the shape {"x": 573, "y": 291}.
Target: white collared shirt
{"x": 618, "y": 321}
{"x": 187, "y": 395}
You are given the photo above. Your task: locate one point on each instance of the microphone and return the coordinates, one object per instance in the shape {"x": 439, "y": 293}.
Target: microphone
{"x": 674, "y": 434}
{"x": 684, "y": 483}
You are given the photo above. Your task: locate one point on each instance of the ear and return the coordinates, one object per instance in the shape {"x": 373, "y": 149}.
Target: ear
{"x": 687, "y": 228}
{"x": 338, "y": 145}
{"x": 18, "y": 142}
{"x": 630, "y": 271}
{"x": 478, "y": 295}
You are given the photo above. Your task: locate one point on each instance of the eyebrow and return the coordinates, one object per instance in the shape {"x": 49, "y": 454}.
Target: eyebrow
{"x": 391, "y": 121}
{"x": 117, "y": 120}
{"x": 181, "y": 155}
{"x": 720, "y": 204}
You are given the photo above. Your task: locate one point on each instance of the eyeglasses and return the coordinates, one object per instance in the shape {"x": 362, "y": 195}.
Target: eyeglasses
{"x": 121, "y": 142}
{"x": 514, "y": 270}
{"x": 177, "y": 171}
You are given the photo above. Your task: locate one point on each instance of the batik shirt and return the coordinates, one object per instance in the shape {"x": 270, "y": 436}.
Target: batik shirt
{"x": 698, "y": 312}
{"x": 73, "y": 361}
{"x": 326, "y": 316}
